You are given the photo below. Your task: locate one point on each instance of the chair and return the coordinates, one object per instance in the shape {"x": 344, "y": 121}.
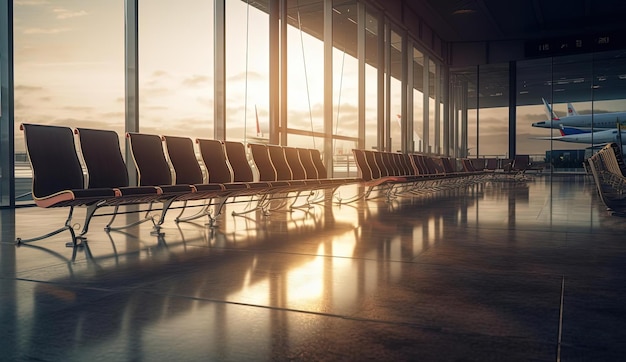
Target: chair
{"x": 154, "y": 170}
{"x": 106, "y": 168}
{"x": 58, "y": 179}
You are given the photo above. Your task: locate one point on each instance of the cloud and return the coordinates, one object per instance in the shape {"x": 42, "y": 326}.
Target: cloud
{"x": 78, "y": 108}
{"x": 118, "y": 115}
{"x": 28, "y": 88}
{"x": 159, "y": 74}
{"x": 251, "y": 76}
{"x": 67, "y": 14}
{"x": 31, "y": 2}
{"x": 196, "y": 81}
{"x": 31, "y": 31}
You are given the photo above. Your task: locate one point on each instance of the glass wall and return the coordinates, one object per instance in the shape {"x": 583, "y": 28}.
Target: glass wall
{"x": 305, "y": 77}
{"x": 371, "y": 79}
{"x": 69, "y": 70}
{"x": 432, "y": 67}
{"x": 176, "y": 66}
{"x": 418, "y": 100}
{"x": 582, "y": 93}
{"x": 70, "y": 67}
{"x": 345, "y": 85}
{"x": 394, "y": 110}
{"x": 247, "y": 70}
{"x": 493, "y": 111}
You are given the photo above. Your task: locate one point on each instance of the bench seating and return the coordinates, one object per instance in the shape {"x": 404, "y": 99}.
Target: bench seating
{"x": 178, "y": 169}
{"x": 396, "y": 174}
{"x": 609, "y": 173}
{"x": 168, "y": 171}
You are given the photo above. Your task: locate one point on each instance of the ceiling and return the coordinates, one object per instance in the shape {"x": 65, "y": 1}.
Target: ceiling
{"x": 563, "y": 73}
{"x": 495, "y": 20}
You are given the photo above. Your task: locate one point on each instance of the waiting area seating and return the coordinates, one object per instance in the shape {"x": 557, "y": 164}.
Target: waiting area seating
{"x": 168, "y": 171}
{"x": 172, "y": 169}
{"x": 609, "y": 173}
{"x": 399, "y": 174}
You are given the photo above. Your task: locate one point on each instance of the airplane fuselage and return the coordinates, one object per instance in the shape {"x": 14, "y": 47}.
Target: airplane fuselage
{"x": 593, "y": 138}
{"x": 586, "y": 121}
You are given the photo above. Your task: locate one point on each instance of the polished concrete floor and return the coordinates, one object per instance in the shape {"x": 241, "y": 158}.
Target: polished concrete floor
{"x": 500, "y": 271}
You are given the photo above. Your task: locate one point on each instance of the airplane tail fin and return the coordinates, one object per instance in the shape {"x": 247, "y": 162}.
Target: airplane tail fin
{"x": 549, "y": 112}
{"x": 570, "y": 110}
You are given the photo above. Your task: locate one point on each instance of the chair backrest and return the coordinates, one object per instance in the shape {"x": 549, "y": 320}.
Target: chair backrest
{"x": 446, "y": 162}
{"x": 521, "y": 162}
{"x": 492, "y": 164}
{"x": 617, "y": 151}
{"x": 279, "y": 161}
{"x": 261, "y": 158}
{"x": 433, "y": 165}
{"x": 293, "y": 159}
{"x": 379, "y": 161}
{"x": 364, "y": 170}
{"x": 103, "y": 158}
{"x": 408, "y": 165}
{"x": 370, "y": 160}
{"x": 52, "y": 154}
{"x": 418, "y": 164}
{"x": 150, "y": 161}
{"x": 307, "y": 163}
{"x": 468, "y": 166}
{"x": 215, "y": 161}
{"x": 236, "y": 154}
{"x": 478, "y": 163}
{"x": 390, "y": 165}
{"x": 319, "y": 165}
{"x": 183, "y": 158}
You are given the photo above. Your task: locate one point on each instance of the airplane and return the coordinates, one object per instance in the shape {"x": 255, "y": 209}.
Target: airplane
{"x": 551, "y": 115}
{"x": 583, "y": 121}
{"x": 575, "y": 135}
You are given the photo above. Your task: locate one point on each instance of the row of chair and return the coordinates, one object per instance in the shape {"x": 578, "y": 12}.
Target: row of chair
{"x": 168, "y": 171}
{"x": 609, "y": 173}
{"x": 400, "y": 173}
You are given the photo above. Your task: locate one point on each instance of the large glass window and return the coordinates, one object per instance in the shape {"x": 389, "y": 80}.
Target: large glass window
{"x": 345, "y": 85}
{"x": 247, "y": 70}
{"x": 432, "y": 68}
{"x": 493, "y": 113}
{"x": 305, "y": 75}
{"x": 395, "y": 92}
{"x": 582, "y": 93}
{"x": 69, "y": 69}
{"x": 418, "y": 100}
{"x": 176, "y": 67}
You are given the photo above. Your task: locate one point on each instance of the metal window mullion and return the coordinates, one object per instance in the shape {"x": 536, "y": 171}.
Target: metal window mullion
{"x": 425, "y": 95}
{"x": 387, "y": 117}
{"x": 219, "y": 71}
{"x": 380, "y": 84}
{"x": 131, "y": 60}
{"x": 328, "y": 84}
{"x": 7, "y": 106}
{"x": 283, "y": 123}
{"x": 437, "y": 148}
{"x": 274, "y": 71}
{"x": 361, "y": 73}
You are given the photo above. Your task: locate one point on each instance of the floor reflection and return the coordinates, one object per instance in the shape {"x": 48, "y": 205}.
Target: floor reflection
{"x": 473, "y": 268}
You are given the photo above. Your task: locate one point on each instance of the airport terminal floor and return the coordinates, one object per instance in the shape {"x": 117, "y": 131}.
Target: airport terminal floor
{"x": 504, "y": 271}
